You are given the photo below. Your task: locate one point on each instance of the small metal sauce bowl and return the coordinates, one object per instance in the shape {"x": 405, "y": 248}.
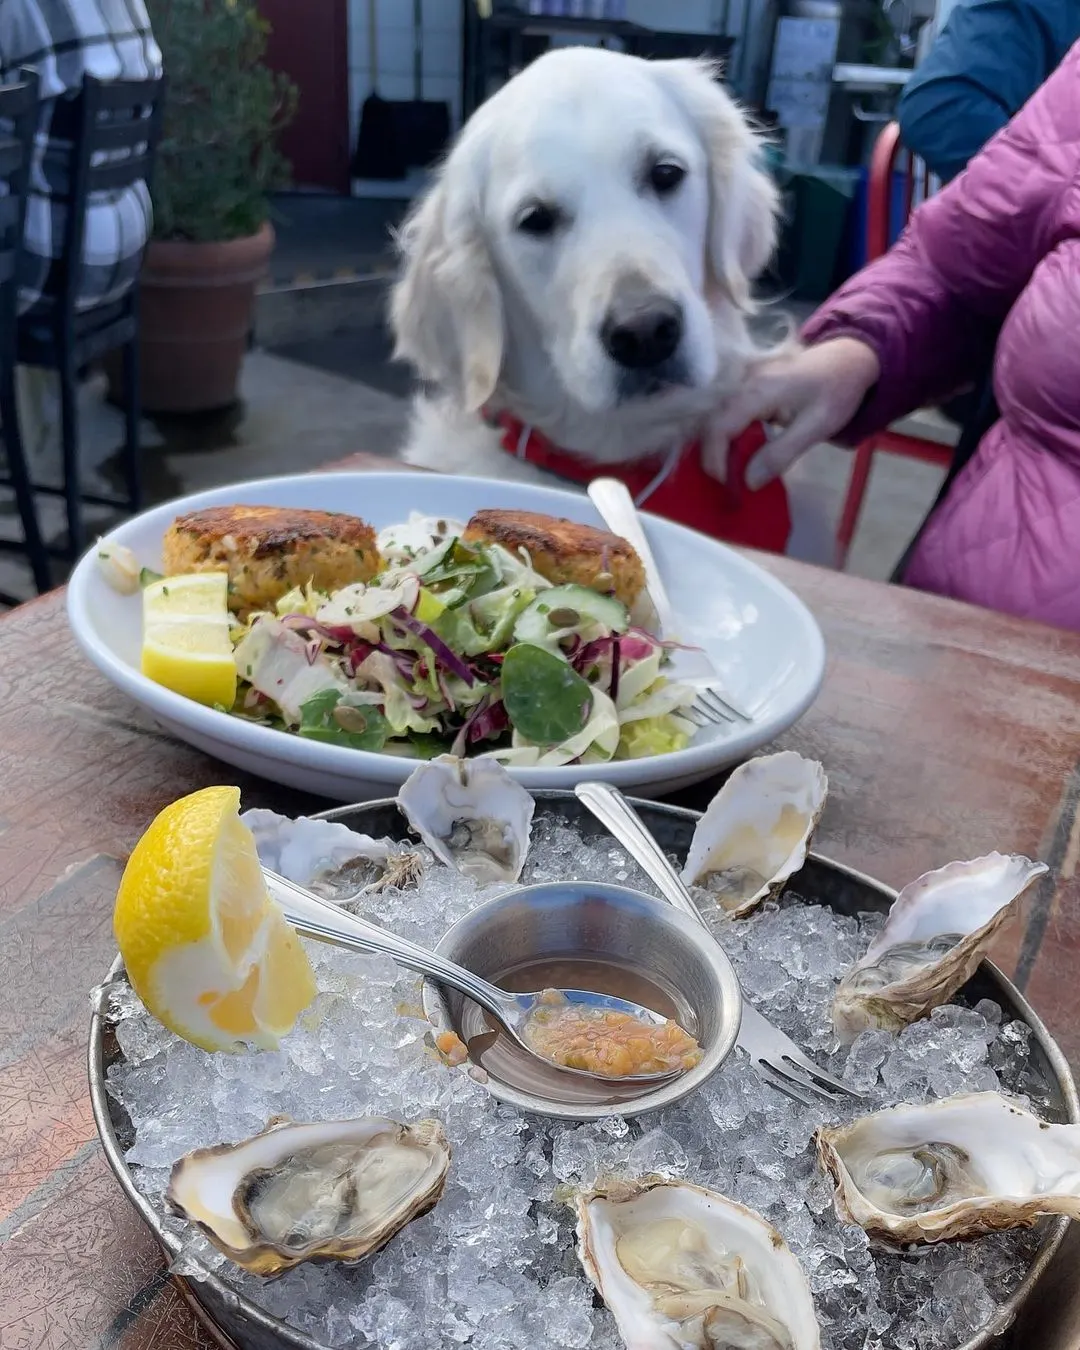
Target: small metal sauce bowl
{"x": 639, "y": 941}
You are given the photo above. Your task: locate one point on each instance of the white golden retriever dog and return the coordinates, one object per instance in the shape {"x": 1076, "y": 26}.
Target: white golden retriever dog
{"x": 584, "y": 263}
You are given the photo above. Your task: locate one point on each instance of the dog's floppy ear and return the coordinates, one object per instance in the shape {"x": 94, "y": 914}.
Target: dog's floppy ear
{"x": 744, "y": 202}
{"x": 446, "y": 311}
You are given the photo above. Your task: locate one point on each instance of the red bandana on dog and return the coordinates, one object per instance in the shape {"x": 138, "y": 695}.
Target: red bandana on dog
{"x": 676, "y": 486}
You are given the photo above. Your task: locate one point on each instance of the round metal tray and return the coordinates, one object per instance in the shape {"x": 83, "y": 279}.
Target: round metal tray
{"x": 830, "y": 883}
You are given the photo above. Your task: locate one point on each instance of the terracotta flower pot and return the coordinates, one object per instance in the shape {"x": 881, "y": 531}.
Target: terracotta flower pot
{"x": 195, "y": 316}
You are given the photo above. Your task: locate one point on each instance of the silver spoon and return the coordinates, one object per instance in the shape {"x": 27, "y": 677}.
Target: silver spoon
{"x": 320, "y": 919}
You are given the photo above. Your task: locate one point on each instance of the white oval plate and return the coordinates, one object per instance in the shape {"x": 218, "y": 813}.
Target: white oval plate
{"x": 764, "y": 642}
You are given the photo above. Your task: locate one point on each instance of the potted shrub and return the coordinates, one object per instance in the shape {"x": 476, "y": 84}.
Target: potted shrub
{"x": 216, "y": 163}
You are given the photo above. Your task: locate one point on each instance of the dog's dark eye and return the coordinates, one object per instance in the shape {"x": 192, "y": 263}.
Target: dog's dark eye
{"x": 665, "y": 176}
{"x": 538, "y": 220}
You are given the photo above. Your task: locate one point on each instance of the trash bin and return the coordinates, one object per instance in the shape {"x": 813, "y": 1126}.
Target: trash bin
{"x": 817, "y": 204}
{"x": 855, "y": 249}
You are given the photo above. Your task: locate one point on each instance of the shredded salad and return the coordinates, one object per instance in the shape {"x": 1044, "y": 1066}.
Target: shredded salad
{"x": 465, "y": 649}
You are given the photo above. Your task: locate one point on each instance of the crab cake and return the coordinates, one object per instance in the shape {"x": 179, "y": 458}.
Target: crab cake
{"x": 269, "y": 550}
{"x": 563, "y": 551}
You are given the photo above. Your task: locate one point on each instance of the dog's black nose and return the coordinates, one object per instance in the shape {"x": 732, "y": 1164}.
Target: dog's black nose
{"x": 643, "y": 335}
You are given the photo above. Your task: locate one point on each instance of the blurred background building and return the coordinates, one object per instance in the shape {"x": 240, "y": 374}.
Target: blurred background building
{"x": 824, "y": 75}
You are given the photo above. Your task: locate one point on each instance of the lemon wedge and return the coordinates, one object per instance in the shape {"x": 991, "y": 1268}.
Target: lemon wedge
{"x": 205, "y": 947}
{"x": 186, "y": 643}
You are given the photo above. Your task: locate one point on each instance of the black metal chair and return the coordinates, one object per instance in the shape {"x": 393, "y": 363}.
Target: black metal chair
{"x": 18, "y": 119}
{"x": 115, "y": 129}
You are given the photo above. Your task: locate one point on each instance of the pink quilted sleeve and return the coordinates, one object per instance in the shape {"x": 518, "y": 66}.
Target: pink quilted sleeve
{"x": 932, "y": 306}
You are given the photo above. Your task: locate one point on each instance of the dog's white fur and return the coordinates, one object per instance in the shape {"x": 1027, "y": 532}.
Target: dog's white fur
{"x": 500, "y": 320}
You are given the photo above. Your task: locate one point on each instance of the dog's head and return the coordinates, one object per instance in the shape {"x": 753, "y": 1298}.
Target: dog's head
{"x": 597, "y": 227}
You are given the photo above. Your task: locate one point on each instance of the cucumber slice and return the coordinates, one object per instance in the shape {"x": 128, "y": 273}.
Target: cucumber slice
{"x": 562, "y": 609}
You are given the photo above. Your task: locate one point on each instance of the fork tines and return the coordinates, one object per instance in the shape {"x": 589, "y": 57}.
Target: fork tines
{"x": 711, "y": 708}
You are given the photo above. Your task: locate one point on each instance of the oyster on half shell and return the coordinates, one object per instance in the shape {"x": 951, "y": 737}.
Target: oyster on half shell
{"x": 329, "y": 858}
{"x": 756, "y": 831}
{"x": 330, "y": 1191}
{"x": 937, "y": 929}
{"x": 471, "y": 814}
{"x": 682, "y": 1267}
{"x": 302, "y": 849}
{"x": 955, "y": 1168}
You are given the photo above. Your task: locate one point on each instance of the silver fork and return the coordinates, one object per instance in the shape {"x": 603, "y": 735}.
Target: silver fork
{"x": 774, "y": 1055}
{"x": 711, "y": 708}
{"x": 613, "y": 501}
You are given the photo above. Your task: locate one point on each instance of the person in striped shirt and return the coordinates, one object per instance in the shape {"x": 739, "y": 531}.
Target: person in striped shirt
{"x": 63, "y": 41}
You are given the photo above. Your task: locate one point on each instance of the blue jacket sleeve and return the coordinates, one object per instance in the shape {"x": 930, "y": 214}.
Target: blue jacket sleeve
{"x": 984, "y": 65}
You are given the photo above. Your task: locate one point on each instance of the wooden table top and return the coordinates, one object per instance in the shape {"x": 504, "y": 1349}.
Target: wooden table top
{"x": 946, "y": 732}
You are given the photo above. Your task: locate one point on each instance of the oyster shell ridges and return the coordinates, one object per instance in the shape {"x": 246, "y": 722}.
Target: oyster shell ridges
{"x": 956, "y": 1168}
{"x": 325, "y": 1191}
{"x": 719, "y": 1272}
{"x": 756, "y": 831}
{"x": 303, "y": 848}
{"x": 472, "y": 815}
{"x": 937, "y": 929}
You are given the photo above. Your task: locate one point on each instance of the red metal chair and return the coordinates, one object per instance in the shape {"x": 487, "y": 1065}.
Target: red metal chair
{"x": 917, "y": 187}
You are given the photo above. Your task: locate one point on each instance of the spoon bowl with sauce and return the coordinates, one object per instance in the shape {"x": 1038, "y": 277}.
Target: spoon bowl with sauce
{"x": 585, "y": 935}
{"x": 580, "y": 1031}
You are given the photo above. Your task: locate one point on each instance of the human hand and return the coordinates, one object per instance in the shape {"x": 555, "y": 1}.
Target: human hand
{"x": 811, "y": 393}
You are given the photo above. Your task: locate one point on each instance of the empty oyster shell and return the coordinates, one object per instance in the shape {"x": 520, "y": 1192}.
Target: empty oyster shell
{"x": 937, "y": 929}
{"x": 756, "y": 831}
{"x": 952, "y": 1169}
{"x": 330, "y": 1191}
{"x": 681, "y": 1267}
{"x": 471, "y": 814}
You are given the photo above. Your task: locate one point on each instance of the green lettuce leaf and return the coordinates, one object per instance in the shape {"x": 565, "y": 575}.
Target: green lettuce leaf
{"x": 325, "y": 717}
{"x": 546, "y": 700}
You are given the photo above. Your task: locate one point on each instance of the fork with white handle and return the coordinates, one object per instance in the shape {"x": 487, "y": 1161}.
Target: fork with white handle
{"x": 617, "y": 510}
{"x": 774, "y": 1055}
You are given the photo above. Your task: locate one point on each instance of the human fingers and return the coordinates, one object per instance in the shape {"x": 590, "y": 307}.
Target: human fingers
{"x": 781, "y": 451}
{"x": 714, "y": 453}
{"x": 756, "y": 401}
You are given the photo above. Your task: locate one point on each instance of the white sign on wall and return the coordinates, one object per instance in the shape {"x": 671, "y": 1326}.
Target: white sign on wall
{"x": 803, "y": 58}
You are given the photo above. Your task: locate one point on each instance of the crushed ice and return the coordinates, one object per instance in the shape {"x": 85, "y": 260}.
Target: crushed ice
{"x": 492, "y": 1267}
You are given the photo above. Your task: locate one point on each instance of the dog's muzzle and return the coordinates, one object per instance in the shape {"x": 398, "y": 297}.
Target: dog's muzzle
{"x": 643, "y": 332}
{"x": 642, "y": 329}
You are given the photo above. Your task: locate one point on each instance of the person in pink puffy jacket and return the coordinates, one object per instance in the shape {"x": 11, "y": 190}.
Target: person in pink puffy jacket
{"x": 999, "y": 248}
